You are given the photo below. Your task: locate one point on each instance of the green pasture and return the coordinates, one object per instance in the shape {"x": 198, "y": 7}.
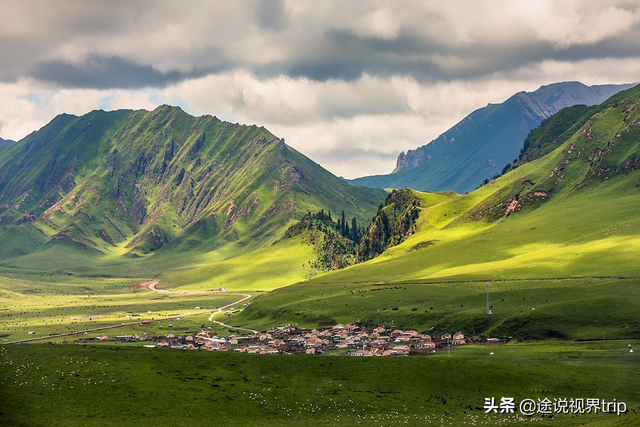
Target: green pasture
{"x": 522, "y": 310}
{"x": 51, "y": 305}
{"x": 120, "y": 385}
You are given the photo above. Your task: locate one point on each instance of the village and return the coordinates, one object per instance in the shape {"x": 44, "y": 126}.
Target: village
{"x": 343, "y": 340}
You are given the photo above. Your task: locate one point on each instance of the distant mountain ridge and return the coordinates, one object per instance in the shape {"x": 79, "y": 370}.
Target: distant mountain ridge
{"x": 5, "y": 142}
{"x": 481, "y": 144}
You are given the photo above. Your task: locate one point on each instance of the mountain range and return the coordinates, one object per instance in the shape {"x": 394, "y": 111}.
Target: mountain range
{"x": 481, "y": 144}
{"x": 129, "y": 184}
{"x": 199, "y": 203}
{"x": 158, "y": 191}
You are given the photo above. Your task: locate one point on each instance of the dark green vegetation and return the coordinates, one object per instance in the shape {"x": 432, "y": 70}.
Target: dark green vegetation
{"x": 334, "y": 243}
{"x": 96, "y": 385}
{"x": 393, "y": 223}
{"x": 114, "y": 187}
{"x": 339, "y": 245}
{"x": 558, "y": 237}
{"x": 480, "y": 145}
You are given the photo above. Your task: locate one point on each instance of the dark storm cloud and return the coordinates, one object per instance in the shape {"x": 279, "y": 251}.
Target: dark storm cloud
{"x": 404, "y": 55}
{"x": 347, "y": 57}
{"x": 100, "y": 72}
{"x": 405, "y": 43}
{"x": 153, "y": 44}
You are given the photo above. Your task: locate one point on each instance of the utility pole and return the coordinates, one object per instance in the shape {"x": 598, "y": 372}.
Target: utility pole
{"x": 488, "y": 307}
{"x": 228, "y": 316}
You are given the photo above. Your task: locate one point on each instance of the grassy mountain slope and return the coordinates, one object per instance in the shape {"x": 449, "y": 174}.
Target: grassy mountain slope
{"x": 566, "y": 197}
{"x": 554, "y": 131}
{"x": 481, "y": 144}
{"x": 116, "y": 187}
{"x": 557, "y": 234}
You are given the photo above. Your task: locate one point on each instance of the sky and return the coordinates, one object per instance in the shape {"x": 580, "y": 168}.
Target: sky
{"x": 349, "y": 84}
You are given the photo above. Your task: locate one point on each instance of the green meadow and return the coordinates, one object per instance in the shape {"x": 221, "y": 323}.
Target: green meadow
{"x": 56, "y": 305}
{"x": 119, "y": 385}
{"x": 593, "y": 232}
{"x": 568, "y": 268}
{"x": 522, "y": 310}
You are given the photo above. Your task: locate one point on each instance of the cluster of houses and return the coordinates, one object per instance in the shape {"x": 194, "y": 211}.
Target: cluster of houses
{"x": 348, "y": 340}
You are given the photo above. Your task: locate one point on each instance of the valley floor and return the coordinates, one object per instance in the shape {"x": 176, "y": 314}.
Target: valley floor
{"x": 120, "y": 384}
{"x": 124, "y": 384}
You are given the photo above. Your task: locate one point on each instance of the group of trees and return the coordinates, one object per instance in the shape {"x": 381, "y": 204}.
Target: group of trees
{"x": 341, "y": 243}
{"x": 393, "y": 223}
{"x": 335, "y": 243}
{"x": 353, "y": 233}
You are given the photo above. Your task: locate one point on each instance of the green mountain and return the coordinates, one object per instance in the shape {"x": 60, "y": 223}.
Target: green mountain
{"x": 558, "y": 238}
{"x": 479, "y": 146}
{"x": 129, "y": 184}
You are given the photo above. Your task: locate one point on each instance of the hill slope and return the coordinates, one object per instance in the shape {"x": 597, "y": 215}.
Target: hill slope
{"x": 559, "y": 235}
{"x": 585, "y": 190}
{"x": 480, "y": 145}
{"x": 134, "y": 183}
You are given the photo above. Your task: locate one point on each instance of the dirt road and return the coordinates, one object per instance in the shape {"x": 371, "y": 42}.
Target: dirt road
{"x": 153, "y": 286}
{"x": 246, "y": 297}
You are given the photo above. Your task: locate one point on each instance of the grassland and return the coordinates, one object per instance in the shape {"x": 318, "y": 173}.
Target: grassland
{"x": 590, "y": 233}
{"x": 107, "y": 385}
{"x": 523, "y": 310}
{"x": 61, "y": 306}
{"x": 572, "y": 260}
{"x": 281, "y": 264}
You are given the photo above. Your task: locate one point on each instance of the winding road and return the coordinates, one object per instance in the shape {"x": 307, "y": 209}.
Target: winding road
{"x": 153, "y": 287}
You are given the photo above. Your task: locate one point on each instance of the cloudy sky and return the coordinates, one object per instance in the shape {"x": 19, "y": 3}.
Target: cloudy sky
{"x": 350, "y": 84}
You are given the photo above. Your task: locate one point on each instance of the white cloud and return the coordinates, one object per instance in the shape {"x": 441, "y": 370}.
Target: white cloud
{"x": 573, "y": 22}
